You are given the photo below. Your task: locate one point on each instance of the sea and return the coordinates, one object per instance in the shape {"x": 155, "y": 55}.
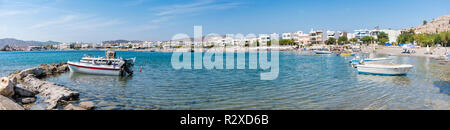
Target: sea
{"x": 305, "y": 82}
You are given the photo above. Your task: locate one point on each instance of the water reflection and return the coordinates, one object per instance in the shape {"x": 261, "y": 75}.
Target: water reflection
{"x": 444, "y": 86}
{"x": 397, "y": 80}
{"x": 88, "y": 78}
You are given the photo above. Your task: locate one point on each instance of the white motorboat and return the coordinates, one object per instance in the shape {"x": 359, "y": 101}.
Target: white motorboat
{"x": 109, "y": 65}
{"x": 358, "y": 60}
{"x": 384, "y": 69}
{"x": 322, "y": 52}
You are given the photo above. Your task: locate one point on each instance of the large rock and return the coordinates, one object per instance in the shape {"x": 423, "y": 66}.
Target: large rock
{"x": 19, "y": 75}
{"x": 13, "y": 79}
{"x": 8, "y": 104}
{"x": 22, "y": 91}
{"x": 54, "y": 68}
{"x": 62, "y": 68}
{"x": 6, "y": 87}
{"x": 87, "y": 105}
{"x": 26, "y": 100}
{"x": 53, "y": 94}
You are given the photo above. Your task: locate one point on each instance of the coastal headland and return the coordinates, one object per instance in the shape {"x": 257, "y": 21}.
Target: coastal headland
{"x": 20, "y": 90}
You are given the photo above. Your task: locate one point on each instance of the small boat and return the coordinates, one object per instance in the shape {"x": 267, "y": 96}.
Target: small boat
{"x": 109, "y": 65}
{"x": 357, "y": 60}
{"x": 322, "y": 52}
{"x": 347, "y": 54}
{"x": 383, "y": 69}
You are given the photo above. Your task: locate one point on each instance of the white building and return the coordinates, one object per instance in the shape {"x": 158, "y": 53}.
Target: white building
{"x": 64, "y": 46}
{"x": 392, "y": 34}
{"x": 350, "y": 35}
{"x": 288, "y": 36}
{"x": 361, "y": 33}
{"x": 302, "y": 38}
{"x": 263, "y": 39}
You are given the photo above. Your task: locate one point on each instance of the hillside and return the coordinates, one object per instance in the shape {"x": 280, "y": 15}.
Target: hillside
{"x": 21, "y": 43}
{"x": 441, "y": 24}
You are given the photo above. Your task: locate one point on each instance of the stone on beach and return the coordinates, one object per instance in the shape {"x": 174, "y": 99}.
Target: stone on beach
{"x": 19, "y": 75}
{"x": 87, "y": 105}
{"x": 54, "y": 94}
{"x": 6, "y": 87}
{"x": 54, "y": 68}
{"x": 8, "y": 104}
{"x": 41, "y": 71}
{"x": 21, "y": 91}
{"x": 73, "y": 107}
{"x": 26, "y": 100}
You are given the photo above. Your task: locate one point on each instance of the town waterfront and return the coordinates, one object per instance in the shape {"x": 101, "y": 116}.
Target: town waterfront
{"x": 305, "y": 81}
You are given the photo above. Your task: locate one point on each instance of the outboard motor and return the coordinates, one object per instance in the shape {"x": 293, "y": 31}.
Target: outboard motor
{"x": 126, "y": 67}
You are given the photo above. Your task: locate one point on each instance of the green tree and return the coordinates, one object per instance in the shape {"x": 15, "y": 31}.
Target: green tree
{"x": 407, "y": 37}
{"x": 368, "y": 39}
{"x": 247, "y": 45}
{"x": 425, "y": 22}
{"x": 353, "y": 40}
{"x": 285, "y": 42}
{"x": 269, "y": 43}
{"x": 382, "y": 38}
{"x": 331, "y": 41}
{"x": 444, "y": 38}
{"x": 343, "y": 40}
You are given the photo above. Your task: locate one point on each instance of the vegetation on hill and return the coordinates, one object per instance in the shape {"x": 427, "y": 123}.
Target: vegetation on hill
{"x": 20, "y": 43}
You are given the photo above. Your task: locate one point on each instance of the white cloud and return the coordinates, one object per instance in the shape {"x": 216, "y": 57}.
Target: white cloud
{"x": 198, "y": 6}
{"x": 162, "y": 19}
{"x": 61, "y": 20}
{"x": 166, "y": 13}
{"x": 92, "y": 24}
{"x": 17, "y": 12}
{"x": 9, "y": 12}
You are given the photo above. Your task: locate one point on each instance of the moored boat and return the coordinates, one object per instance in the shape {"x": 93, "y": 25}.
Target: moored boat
{"x": 384, "y": 69}
{"x": 109, "y": 65}
{"x": 358, "y": 60}
{"x": 347, "y": 54}
{"x": 322, "y": 52}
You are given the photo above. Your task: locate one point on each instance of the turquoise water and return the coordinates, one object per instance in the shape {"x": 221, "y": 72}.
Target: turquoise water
{"x": 305, "y": 81}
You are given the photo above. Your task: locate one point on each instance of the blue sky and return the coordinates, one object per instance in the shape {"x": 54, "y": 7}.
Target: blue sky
{"x": 99, "y": 20}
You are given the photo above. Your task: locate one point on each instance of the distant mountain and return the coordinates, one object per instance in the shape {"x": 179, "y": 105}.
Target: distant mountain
{"x": 21, "y": 43}
{"x": 121, "y": 41}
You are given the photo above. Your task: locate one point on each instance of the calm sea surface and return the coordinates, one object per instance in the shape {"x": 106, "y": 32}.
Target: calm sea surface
{"x": 305, "y": 81}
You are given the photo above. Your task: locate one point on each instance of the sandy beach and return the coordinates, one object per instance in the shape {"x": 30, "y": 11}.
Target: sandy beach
{"x": 436, "y": 52}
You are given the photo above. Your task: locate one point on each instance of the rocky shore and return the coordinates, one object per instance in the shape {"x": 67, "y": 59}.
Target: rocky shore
{"x": 20, "y": 90}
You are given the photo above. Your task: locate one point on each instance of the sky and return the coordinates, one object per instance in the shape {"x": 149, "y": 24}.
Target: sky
{"x": 100, "y": 20}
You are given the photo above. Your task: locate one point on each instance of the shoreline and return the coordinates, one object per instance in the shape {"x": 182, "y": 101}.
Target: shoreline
{"x": 439, "y": 53}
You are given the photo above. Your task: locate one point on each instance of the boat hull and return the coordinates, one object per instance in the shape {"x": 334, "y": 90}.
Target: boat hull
{"x": 322, "y": 52}
{"x": 347, "y": 55}
{"x": 90, "y": 69}
{"x": 384, "y": 70}
{"x": 355, "y": 60}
